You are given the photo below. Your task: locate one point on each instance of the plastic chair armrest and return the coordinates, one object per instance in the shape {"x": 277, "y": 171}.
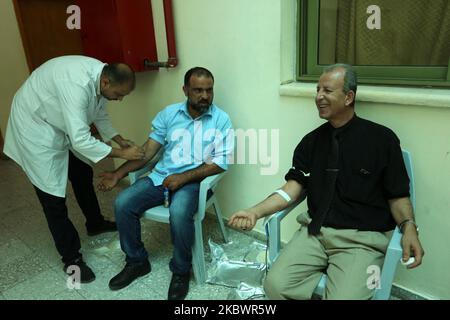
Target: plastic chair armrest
{"x": 134, "y": 175}
{"x": 211, "y": 181}
{"x": 205, "y": 185}
{"x": 391, "y": 260}
{"x": 273, "y": 228}
{"x": 395, "y": 242}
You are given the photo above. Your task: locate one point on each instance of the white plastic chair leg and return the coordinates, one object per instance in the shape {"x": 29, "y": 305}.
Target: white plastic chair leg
{"x": 218, "y": 212}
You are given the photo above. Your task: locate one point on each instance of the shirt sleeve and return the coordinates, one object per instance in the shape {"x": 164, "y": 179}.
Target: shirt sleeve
{"x": 104, "y": 125}
{"x": 159, "y": 127}
{"x": 395, "y": 176}
{"x": 301, "y": 168}
{"x": 74, "y": 101}
{"x": 222, "y": 154}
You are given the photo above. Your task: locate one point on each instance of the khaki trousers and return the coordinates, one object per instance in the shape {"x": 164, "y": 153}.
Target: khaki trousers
{"x": 343, "y": 254}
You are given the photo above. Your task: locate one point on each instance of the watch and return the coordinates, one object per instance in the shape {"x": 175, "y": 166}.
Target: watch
{"x": 402, "y": 224}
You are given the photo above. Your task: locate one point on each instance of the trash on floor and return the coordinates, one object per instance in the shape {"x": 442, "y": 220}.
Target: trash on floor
{"x": 245, "y": 275}
{"x": 247, "y": 292}
{"x": 103, "y": 245}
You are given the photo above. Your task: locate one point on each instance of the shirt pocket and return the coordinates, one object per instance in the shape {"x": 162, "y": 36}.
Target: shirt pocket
{"x": 362, "y": 186}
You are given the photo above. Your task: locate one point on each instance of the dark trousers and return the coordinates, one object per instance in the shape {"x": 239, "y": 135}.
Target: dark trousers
{"x": 64, "y": 234}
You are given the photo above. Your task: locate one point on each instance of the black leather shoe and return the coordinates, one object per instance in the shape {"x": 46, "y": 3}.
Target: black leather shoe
{"x": 131, "y": 272}
{"x": 86, "y": 274}
{"x": 105, "y": 226}
{"x": 179, "y": 287}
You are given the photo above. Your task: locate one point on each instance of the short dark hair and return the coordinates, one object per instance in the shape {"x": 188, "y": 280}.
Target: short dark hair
{"x": 119, "y": 73}
{"x": 197, "y": 71}
{"x": 350, "y": 76}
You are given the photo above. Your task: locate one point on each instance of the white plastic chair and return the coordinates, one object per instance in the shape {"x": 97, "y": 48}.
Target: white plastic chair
{"x": 161, "y": 214}
{"x": 393, "y": 253}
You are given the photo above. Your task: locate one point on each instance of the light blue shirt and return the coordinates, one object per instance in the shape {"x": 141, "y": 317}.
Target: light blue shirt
{"x": 189, "y": 143}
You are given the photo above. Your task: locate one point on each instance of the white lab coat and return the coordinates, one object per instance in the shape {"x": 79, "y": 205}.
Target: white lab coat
{"x": 52, "y": 112}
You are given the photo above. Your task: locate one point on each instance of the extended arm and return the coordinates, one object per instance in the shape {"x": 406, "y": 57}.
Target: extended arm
{"x": 110, "y": 179}
{"x": 246, "y": 219}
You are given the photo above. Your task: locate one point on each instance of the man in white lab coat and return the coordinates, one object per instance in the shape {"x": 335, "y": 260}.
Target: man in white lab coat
{"x": 49, "y": 132}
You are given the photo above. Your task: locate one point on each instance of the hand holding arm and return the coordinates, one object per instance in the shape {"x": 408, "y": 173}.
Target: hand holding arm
{"x": 123, "y": 143}
{"x": 128, "y": 153}
{"x": 110, "y": 179}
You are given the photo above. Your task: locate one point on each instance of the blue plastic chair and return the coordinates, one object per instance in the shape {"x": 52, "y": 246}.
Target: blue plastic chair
{"x": 393, "y": 253}
{"x": 161, "y": 214}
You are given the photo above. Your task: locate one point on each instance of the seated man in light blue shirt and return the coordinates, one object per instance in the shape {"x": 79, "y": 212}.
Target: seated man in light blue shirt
{"x": 197, "y": 139}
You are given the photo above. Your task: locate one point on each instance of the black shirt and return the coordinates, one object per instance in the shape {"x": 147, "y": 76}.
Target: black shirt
{"x": 371, "y": 171}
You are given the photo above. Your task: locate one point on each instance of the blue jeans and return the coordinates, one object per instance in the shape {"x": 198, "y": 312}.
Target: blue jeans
{"x": 142, "y": 195}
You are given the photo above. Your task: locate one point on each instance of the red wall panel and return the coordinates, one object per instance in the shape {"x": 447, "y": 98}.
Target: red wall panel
{"x": 118, "y": 31}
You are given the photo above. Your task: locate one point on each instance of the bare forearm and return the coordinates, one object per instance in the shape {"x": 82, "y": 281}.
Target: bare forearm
{"x": 201, "y": 172}
{"x": 151, "y": 148}
{"x": 129, "y": 166}
{"x": 275, "y": 202}
{"x": 401, "y": 209}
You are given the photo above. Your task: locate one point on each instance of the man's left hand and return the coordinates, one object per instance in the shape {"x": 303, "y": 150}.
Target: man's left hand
{"x": 411, "y": 246}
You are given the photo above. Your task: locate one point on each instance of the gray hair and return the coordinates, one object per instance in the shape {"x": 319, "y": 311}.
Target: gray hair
{"x": 350, "y": 76}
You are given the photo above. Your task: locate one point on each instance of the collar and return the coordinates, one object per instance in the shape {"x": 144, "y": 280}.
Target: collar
{"x": 97, "y": 83}
{"x": 351, "y": 123}
{"x": 97, "y": 86}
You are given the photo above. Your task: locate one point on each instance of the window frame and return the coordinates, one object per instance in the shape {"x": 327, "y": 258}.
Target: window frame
{"x": 308, "y": 68}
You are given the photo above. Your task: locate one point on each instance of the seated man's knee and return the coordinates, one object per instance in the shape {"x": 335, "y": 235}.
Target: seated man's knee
{"x": 121, "y": 203}
{"x": 274, "y": 285}
{"x": 279, "y": 285}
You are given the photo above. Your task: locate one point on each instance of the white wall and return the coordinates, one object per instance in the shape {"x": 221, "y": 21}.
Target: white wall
{"x": 13, "y": 67}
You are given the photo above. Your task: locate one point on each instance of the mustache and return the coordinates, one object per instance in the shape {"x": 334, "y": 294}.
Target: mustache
{"x": 201, "y": 107}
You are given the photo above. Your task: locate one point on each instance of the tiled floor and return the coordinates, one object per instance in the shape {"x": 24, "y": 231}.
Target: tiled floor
{"x": 30, "y": 266}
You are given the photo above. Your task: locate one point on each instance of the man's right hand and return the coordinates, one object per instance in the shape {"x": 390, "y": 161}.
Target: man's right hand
{"x": 108, "y": 182}
{"x": 243, "y": 219}
{"x": 133, "y": 153}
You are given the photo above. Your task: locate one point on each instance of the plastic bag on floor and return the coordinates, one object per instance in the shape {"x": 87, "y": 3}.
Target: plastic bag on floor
{"x": 256, "y": 253}
{"x": 247, "y": 292}
{"x": 231, "y": 273}
{"x": 103, "y": 245}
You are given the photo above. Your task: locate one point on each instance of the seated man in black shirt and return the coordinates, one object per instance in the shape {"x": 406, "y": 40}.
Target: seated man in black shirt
{"x": 357, "y": 189}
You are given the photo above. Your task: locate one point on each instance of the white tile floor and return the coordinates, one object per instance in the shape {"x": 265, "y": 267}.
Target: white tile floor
{"x": 30, "y": 267}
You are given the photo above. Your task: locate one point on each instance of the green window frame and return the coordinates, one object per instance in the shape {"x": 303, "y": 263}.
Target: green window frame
{"x": 309, "y": 69}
